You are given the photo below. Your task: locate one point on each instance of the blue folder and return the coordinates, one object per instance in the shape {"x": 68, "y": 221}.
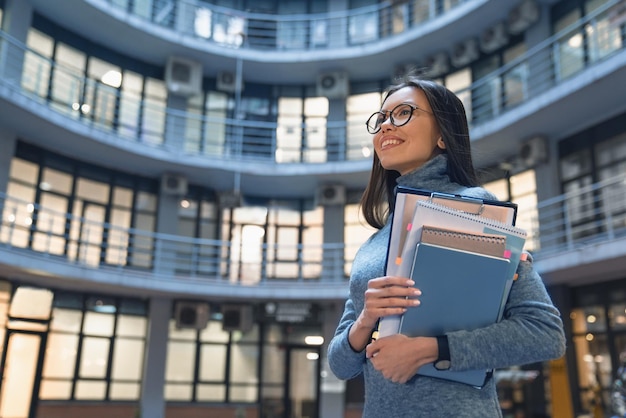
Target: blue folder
{"x": 460, "y": 290}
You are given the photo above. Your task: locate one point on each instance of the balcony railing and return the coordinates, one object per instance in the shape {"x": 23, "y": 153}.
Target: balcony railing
{"x": 231, "y": 28}
{"x": 122, "y": 115}
{"x": 589, "y": 216}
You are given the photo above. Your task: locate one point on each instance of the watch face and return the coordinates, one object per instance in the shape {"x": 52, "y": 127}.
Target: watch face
{"x": 442, "y": 365}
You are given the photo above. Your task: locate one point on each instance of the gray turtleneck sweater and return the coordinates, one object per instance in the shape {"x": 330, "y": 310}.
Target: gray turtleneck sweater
{"x": 531, "y": 331}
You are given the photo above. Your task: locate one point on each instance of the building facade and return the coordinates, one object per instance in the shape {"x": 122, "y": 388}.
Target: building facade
{"x": 180, "y": 185}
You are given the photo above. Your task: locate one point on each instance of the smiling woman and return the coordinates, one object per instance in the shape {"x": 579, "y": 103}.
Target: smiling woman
{"x": 421, "y": 140}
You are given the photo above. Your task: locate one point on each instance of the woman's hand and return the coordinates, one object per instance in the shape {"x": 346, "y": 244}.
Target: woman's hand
{"x": 388, "y": 296}
{"x": 384, "y": 296}
{"x": 398, "y": 357}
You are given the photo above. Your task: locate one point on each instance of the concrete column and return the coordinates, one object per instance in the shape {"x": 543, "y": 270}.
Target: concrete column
{"x": 17, "y": 21}
{"x": 152, "y": 401}
{"x": 539, "y": 66}
{"x": 175, "y": 122}
{"x": 332, "y": 390}
{"x": 336, "y": 139}
{"x": 7, "y": 150}
{"x": 167, "y": 223}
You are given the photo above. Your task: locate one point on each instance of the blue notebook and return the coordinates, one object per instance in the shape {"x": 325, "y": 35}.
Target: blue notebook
{"x": 460, "y": 290}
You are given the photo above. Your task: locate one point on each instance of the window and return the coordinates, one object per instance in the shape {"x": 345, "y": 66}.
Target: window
{"x": 359, "y": 107}
{"x": 85, "y": 333}
{"x": 356, "y": 232}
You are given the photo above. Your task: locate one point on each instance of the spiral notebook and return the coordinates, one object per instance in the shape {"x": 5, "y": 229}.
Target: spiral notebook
{"x": 406, "y": 199}
{"x": 460, "y": 290}
{"x": 432, "y": 214}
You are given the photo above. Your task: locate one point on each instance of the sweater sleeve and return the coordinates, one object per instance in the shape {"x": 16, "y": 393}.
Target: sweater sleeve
{"x": 530, "y": 331}
{"x": 344, "y": 362}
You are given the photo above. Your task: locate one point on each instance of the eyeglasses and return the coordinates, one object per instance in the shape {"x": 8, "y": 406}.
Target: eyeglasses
{"x": 398, "y": 116}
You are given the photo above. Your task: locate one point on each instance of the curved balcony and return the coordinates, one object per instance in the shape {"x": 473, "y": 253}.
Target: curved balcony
{"x": 524, "y": 98}
{"x": 576, "y": 235}
{"x": 271, "y": 37}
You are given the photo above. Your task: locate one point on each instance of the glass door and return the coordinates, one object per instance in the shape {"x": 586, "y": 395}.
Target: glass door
{"x": 302, "y": 385}
{"x": 19, "y": 364}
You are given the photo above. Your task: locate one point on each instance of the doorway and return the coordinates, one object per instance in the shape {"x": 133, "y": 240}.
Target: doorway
{"x": 298, "y": 395}
{"x": 21, "y": 362}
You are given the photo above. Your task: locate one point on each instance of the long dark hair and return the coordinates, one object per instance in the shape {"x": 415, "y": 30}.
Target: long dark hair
{"x": 378, "y": 199}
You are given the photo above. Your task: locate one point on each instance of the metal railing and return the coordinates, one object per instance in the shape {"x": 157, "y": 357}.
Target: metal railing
{"x": 284, "y": 31}
{"x": 36, "y": 82}
{"x": 589, "y": 216}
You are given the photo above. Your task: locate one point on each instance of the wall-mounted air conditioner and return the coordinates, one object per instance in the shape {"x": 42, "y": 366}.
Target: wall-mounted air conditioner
{"x": 237, "y": 318}
{"x": 464, "y": 53}
{"x": 191, "y": 315}
{"x": 173, "y": 184}
{"x": 227, "y": 82}
{"x": 437, "y": 65}
{"x": 183, "y": 76}
{"x": 334, "y": 85}
{"x": 229, "y": 199}
{"x": 523, "y": 16}
{"x": 532, "y": 152}
{"x": 329, "y": 195}
{"x": 494, "y": 38}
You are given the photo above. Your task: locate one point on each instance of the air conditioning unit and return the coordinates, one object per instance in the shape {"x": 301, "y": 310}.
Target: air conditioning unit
{"x": 464, "y": 52}
{"x": 330, "y": 195}
{"x": 229, "y": 199}
{"x": 523, "y": 16}
{"x": 191, "y": 315}
{"x": 173, "y": 184}
{"x": 183, "y": 77}
{"x": 533, "y": 152}
{"x": 237, "y": 318}
{"x": 334, "y": 85}
{"x": 227, "y": 82}
{"x": 494, "y": 38}
{"x": 437, "y": 65}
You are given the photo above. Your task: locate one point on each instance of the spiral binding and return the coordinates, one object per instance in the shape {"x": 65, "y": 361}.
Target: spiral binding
{"x": 485, "y": 221}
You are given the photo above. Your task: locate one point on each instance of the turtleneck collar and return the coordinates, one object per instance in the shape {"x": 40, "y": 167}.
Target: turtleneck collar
{"x": 431, "y": 176}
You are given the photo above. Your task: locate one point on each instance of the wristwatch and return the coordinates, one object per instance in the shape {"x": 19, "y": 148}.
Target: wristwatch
{"x": 443, "y": 360}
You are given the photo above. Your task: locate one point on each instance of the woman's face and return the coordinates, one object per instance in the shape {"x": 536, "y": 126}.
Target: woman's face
{"x": 405, "y": 148}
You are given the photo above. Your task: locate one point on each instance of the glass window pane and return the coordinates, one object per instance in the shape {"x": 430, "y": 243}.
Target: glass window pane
{"x": 24, "y": 171}
{"x": 54, "y": 389}
{"x": 131, "y": 326}
{"x": 214, "y": 333}
{"x": 243, "y": 358}
{"x": 66, "y": 320}
{"x": 181, "y": 360}
{"x": 127, "y": 359}
{"x": 98, "y": 324}
{"x": 178, "y": 392}
{"x": 91, "y": 190}
{"x": 212, "y": 362}
{"x": 124, "y": 391}
{"x": 211, "y": 393}
{"x": 31, "y": 303}
{"x": 90, "y": 390}
{"x": 60, "y": 359}
{"x": 94, "y": 357}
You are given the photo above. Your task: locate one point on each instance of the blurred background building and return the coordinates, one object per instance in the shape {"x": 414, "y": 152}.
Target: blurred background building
{"x": 179, "y": 187}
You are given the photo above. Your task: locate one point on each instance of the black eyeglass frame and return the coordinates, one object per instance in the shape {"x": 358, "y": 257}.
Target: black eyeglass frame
{"x": 390, "y": 117}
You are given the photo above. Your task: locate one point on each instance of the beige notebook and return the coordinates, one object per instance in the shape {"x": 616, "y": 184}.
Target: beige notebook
{"x": 476, "y": 242}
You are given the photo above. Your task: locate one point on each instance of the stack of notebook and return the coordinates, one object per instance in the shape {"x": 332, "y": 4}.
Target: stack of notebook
{"x": 463, "y": 255}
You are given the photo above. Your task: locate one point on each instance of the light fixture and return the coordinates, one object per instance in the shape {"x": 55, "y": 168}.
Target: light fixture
{"x": 314, "y": 340}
